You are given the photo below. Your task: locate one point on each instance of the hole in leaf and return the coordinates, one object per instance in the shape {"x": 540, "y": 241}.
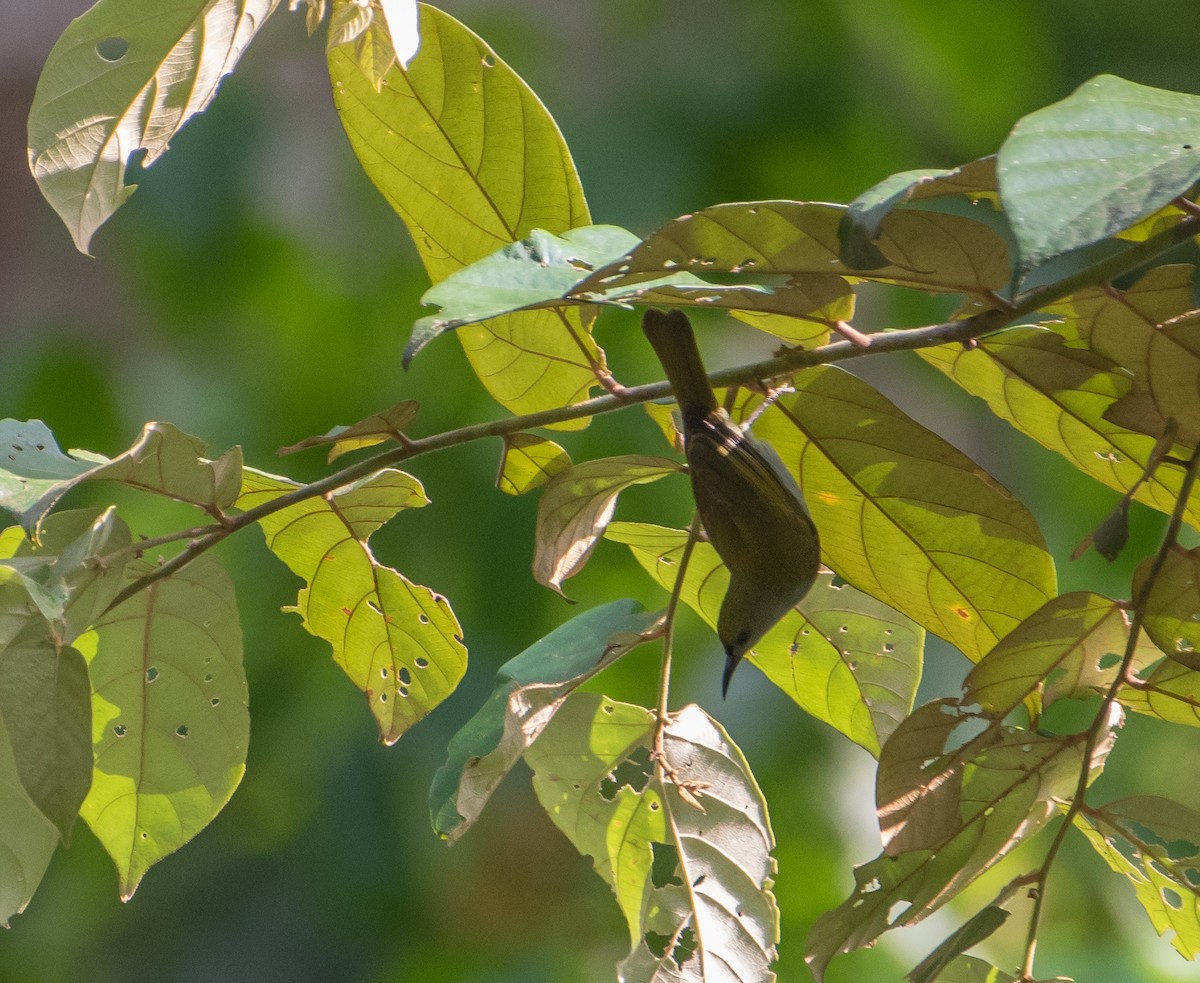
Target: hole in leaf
{"x": 215, "y": 701}
{"x": 119, "y": 730}
{"x": 421, "y": 662}
{"x": 633, "y": 772}
{"x": 208, "y": 677}
{"x": 402, "y": 691}
{"x": 685, "y": 948}
{"x": 889, "y": 646}
{"x": 1192, "y": 876}
{"x": 488, "y": 61}
{"x": 112, "y": 49}
{"x": 383, "y": 672}
{"x": 181, "y": 730}
{"x": 1172, "y": 899}
{"x": 664, "y": 869}
{"x": 404, "y": 676}
{"x": 423, "y": 618}
{"x": 151, "y": 674}
{"x": 383, "y": 697}
{"x": 657, "y": 943}
{"x": 1182, "y": 849}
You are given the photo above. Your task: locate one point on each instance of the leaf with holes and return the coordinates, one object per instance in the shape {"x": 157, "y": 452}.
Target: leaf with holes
{"x": 1060, "y": 395}
{"x": 926, "y": 250}
{"x": 1079, "y": 171}
{"x": 165, "y": 461}
{"x": 398, "y": 642}
{"x": 27, "y": 837}
{"x": 469, "y": 158}
{"x": 949, "y": 815}
{"x": 576, "y": 506}
{"x": 126, "y": 77}
{"x": 906, "y": 517}
{"x": 1172, "y": 613}
{"x": 375, "y": 429}
{"x": 528, "y": 462}
{"x": 31, "y": 464}
{"x": 843, "y": 657}
{"x": 1072, "y": 646}
{"x": 170, "y": 723}
{"x": 690, "y": 865}
{"x": 529, "y": 690}
{"x": 1155, "y": 843}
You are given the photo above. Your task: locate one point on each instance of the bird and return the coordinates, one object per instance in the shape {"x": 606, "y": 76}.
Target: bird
{"x": 752, "y": 510}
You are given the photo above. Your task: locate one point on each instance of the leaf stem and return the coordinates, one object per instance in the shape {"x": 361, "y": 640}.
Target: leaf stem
{"x": 1078, "y": 803}
{"x": 664, "y": 674}
{"x": 908, "y": 339}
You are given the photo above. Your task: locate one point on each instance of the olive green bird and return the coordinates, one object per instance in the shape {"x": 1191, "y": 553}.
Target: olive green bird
{"x": 751, "y": 507}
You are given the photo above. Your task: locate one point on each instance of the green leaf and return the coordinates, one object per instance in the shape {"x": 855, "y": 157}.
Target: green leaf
{"x": 969, "y": 969}
{"x": 927, "y": 250}
{"x": 1155, "y": 843}
{"x": 27, "y": 838}
{"x": 691, "y": 868}
{"x": 545, "y": 270}
{"x": 978, "y": 927}
{"x": 843, "y": 657}
{"x": 864, "y": 217}
{"x": 77, "y": 570}
{"x": 539, "y": 271}
{"x": 576, "y": 507}
{"x": 45, "y": 703}
{"x": 529, "y": 690}
{"x": 1072, "y": 646}
{"x": 472, "y": 161}
{"x": 170, "y": 723}
{"x": 907, "y": 518}
{"x": 1091, "y": 165}
{"x": 399, "y": 642}
{"x": 126, "y": 77}
{"x": 375, "y": 429}
{"x": 1167, "y": 690}
{"x": 165, "y": 461}
{"x": 948, "y": 814}
{"x": 528, "y": 462}
{"x": 1172, "y": 608}
{"x": 1060, "y": 396}
{"x": 31, "y": 463}
{"x": 1150, "y": 330}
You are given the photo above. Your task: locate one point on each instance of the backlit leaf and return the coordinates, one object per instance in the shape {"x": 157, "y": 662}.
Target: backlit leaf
{"x": 1091, "y": 165}
{"x": 1172, "y": 608}
{"x": 398, "y": 642}
{"x": 578, "y": 503}
{"x": 907, "y": 518}
{"x": 170, "y": 723}
{"x": 948, "y": 814}
{"x": 1060, "y": 396}
{"x": 979, "y": 927}
{"x": 1072, "y": 646}
{"x": 165, "y": 461}
{"x": 1155, "y": 843}
{"x": 31, "y": 463}
{"x": 528, "y": 462}
{"x": 694, "y": 886}
{"x": 375, "y": 429}
{"x": 529, "y": 690}
{"x": 126, "y": 77}
{"x": 472, "y": 161}
{"x": 843, "y": 657}
{"x": 927, "y": 250}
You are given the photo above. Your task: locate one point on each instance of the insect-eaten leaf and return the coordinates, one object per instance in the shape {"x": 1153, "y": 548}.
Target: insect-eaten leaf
{"x": 398, "y": 641}
{"x": 686, "y": 848}
{"x": 529, "y": 690}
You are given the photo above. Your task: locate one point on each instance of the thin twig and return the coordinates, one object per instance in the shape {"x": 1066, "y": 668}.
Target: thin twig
{"x": 1170, "y": 538}
{"x": 908, "y": 339}
{"x": 664, "y": 675}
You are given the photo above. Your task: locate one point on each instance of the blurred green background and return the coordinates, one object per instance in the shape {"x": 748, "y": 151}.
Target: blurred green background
{"x": 256, "y": 290}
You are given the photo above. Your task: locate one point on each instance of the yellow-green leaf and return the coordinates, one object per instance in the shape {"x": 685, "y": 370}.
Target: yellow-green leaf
{"x": 375, "y": 429}
{"x": 906, "y": 517}
{"x": 398, "y": 641}
{"x": 170, "y": 724}
{"x": 470, "y": 159}
{"x": 528, "y": 462}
